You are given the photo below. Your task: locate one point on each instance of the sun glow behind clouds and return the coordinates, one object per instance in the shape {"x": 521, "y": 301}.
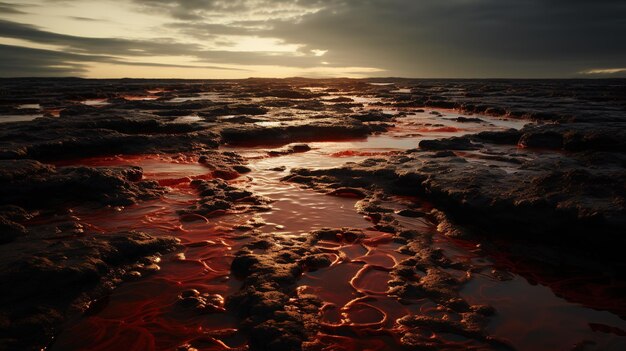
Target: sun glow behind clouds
{"x": 232, "y": 71}
{"x": 251, "y": 44}
{"x": 319, "y": 52}
{"x": 425, "y": 38}
{"x": 218, "y": 38}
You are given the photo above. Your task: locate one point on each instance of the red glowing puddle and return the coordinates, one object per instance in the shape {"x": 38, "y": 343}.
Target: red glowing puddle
{"x": 531, "y": 316}
{"x": 134, "y": 317}
{"x": 358, "y": 314}
{"x": 144, "y": 315}
{"x": 352, "y": 153}
{"x": 408, "y": 131}
{"x": 338, "y": 285}
{"x": 297, "y": 210}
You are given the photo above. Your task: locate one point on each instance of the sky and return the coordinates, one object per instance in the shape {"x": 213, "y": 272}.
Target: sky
{"x": 313, "y": 38}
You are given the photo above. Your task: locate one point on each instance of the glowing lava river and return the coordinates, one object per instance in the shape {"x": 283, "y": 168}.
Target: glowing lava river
{"x": 362, "y": 307}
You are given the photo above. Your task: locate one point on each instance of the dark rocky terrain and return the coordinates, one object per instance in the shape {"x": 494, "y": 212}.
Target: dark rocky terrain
{"x": 526, "y": 175}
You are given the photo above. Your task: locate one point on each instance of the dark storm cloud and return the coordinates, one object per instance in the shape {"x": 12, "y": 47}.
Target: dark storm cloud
{"x": 444, "y": 38}
{"x": 26, "y": 62}
{"x": 19, "y": 61}
{"x": 104, "y": 49}
{"x": 440, "y": 38}
{"x": 107, "y": 46}
{"x": 468, "y": 38}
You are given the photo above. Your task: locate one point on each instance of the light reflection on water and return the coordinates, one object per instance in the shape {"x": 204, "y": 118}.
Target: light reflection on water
{"x": 299, "y": 210}
{"x": 530, "y": 316}
{"x": 95, "y": 102}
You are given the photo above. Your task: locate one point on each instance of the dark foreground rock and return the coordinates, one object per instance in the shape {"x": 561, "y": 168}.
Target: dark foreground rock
{"x": 55, "y": 273}
{"x": 577, "y": 137}
{"x": 52, "y": 267}
{"x": 99, "y": 133}
{"x": 564, "y": 212}
{"x": 35, "y": 185}
{"x": 278, "y": 315}
{"x": 218, "y": 197}
{"x": 323, "y": 129}
{"x": 538, "y": 192}
{"x": 272, "y": 314}
{"x": 550, "y": 199}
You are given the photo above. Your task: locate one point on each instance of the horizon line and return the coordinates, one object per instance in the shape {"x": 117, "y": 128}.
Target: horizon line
{"x": 319, "y": 78}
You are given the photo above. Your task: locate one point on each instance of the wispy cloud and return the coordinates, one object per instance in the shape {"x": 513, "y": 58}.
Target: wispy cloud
{"x": 603, "y": 71}
{"x": 426, "y": 38}
{"x": 200, "y": 10}
{"x": 86, "y": 19}
{"x": 106, "y": 46}
{"x": 20, "y": 62}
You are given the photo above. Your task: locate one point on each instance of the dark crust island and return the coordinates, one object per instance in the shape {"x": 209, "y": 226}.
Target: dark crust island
{"x": 553, "y": 191}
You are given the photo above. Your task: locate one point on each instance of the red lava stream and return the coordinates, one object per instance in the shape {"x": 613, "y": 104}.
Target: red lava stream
{"x": 357, "y": 314}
